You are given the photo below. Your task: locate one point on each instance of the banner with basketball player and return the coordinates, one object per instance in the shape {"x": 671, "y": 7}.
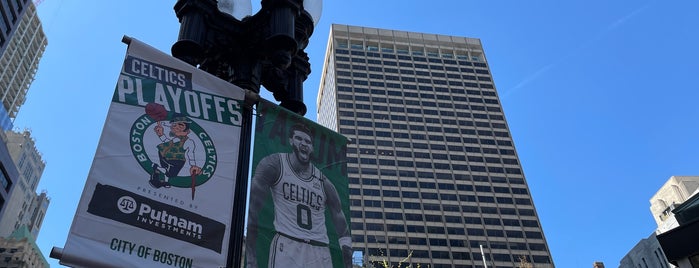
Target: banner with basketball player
{"x": 299, "y": 199}
{"x": 160, "y": 189}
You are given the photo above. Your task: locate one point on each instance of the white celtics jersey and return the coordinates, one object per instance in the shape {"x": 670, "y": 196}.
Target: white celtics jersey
{"x": 299, "y": 204}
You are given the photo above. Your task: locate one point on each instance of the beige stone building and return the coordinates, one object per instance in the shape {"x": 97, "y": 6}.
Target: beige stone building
{"x": 25, "y": 206}
{"x": 675, "y": 191}
{"x": 20, "y": 251}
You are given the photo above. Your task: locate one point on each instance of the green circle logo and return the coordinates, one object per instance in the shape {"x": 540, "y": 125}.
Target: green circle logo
{"x": 174, "y": 150}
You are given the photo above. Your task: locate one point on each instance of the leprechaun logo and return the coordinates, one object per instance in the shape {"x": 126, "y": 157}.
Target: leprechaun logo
{"x": 172, "y": 148}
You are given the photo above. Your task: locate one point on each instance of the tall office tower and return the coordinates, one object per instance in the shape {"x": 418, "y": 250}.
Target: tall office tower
{"x": 25, "y": 206}
{"x": 434, "y": 175}
{"x": 19, "y": 59}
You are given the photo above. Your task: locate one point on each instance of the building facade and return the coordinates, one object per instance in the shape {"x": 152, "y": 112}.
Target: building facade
{"x": 434, "y": 175}
{"x": 19, "y": 59}
{"x": 10, "y": 13}
{"x": 8, "y": 175}
{"x": 648, "y": 251}
{"x": 25, "y": 206}
{"x": 675, "y": 191}
{"x": 37, "y": 211}
{"x": 680, "y": 243}
{"x": 19, "y": 250}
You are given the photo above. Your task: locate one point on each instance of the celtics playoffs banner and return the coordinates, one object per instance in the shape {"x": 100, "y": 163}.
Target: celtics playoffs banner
{"x": 299, "y": 201}
{"x": 160, "y": 189}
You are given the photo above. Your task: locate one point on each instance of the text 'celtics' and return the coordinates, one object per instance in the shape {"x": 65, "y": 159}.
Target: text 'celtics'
{"x": 139, "y": 91}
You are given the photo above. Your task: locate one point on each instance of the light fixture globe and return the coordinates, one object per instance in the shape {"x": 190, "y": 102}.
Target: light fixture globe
{"x": 239, "y": 9}
{"x": 314, "y": 8}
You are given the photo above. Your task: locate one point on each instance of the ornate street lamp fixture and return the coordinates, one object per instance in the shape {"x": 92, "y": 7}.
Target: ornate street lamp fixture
{"x": 263, "y": 49}
{"x": 249, "y": 51}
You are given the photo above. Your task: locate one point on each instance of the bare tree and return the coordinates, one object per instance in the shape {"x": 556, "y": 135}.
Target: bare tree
{"x": 524, "y": 263}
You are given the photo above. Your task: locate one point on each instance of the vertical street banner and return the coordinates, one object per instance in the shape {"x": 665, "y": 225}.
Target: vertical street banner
{"x": 160, "y": 189}
{"x": 299, "y": 199}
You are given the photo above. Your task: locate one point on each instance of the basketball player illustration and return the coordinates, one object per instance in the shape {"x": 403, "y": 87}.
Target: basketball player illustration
{"x": 301, "y": 194}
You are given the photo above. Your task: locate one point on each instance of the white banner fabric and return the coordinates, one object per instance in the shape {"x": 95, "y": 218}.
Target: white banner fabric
{"x": 160, "y": 189}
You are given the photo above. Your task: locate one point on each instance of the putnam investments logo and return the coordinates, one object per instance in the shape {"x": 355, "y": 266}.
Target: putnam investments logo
{"x": 132, "y": 209}
{"x": 159, "y": 218}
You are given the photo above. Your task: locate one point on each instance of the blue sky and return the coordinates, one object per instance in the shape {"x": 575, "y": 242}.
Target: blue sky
{"x": 600, "y": 97}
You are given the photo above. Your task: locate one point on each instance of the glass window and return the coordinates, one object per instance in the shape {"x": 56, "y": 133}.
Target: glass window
{"x": 523, "y": 201}
{"x": 471, "y": 209}
{"x": 373, "y": 214}
{"x": 6, "y": 184}
{"x": 429, "y": 195}
{"x": 435, "y": 229}
{"x": 452, "y": 219}
{"x": 455, "y": 231}
{"x": 417, "y": 241}
{"x": 537, "y": 246}
{"x": 491, "y": 221}
{"x": 489, "y": 210}
{"x": 526, "y": 212}
{"x": 450, "y": 197}
{"x": 453, "y": 208}
{"x": 472, "y": 231}
{"x": 467, "y": 198}
{"x": 411, "y": 205}
{"x": 530, "y": 223}
{"x": 374, "y": 227}
{"x": 510, "y": 222}
{"x": 486, "y": 199}
{"x": 541, "y": 259}
{"x": 495, "y": 233}
{"x": 433, "y": 218}
{"x": 462, "y": 187}
{"x": 508, "y": 211}
{"x": 514, "y": 234}
{"x": 391, "y": 204}
{"x": 531, "y": 234}
{"x": 393, "y": 216}
{"x": 430, "y": 206}
{"x": 502, "y": 257}
{"x": 388, "y": 182}
{"x": 395, "y": 228}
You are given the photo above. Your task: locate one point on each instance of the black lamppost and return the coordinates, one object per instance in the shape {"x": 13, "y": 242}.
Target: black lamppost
{"x": 265, "y": 49}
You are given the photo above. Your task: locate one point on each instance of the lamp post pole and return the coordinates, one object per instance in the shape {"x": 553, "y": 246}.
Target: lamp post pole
{"x": 265, "y": 49}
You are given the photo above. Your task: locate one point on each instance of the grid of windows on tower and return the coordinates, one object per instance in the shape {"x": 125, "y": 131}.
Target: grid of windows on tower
{"x": 433, "y": 172}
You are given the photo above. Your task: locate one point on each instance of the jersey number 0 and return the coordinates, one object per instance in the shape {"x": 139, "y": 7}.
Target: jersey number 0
{"x": 303, "y": 216}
